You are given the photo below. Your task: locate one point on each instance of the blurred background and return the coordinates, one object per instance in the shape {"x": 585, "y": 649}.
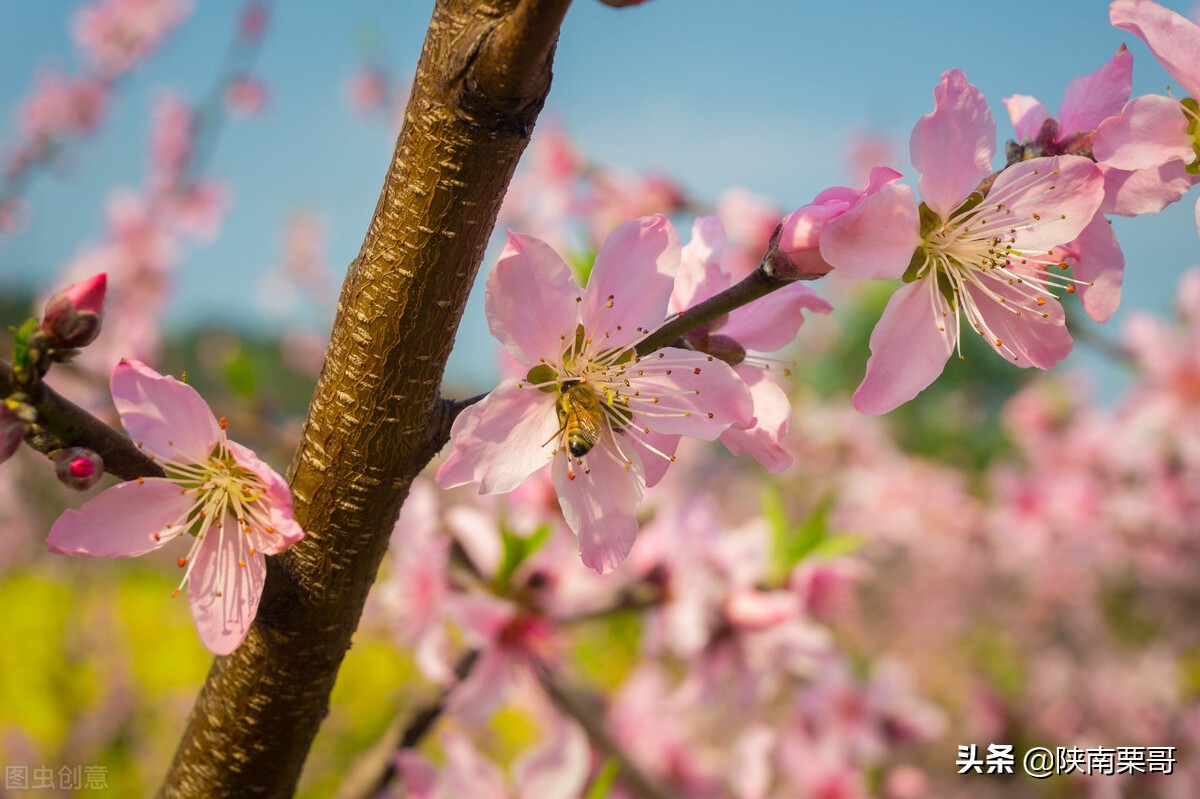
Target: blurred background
{"x": 1008, "y": 559}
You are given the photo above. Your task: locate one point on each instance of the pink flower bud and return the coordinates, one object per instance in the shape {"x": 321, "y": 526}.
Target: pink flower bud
{"x": 12, "y": 430}
{"x": 72, "y": 316}
{"x": 254, "y": 20}
{"x": 78, "y": 468}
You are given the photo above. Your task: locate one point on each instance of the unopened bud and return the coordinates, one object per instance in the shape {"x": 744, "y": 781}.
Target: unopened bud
{"x": 254, "y": 20}
{"x": 725, "y": 348}
{"x": 78, "y": 467}
{"x": 12, "y": 430}
{"x": 72, "y": 316}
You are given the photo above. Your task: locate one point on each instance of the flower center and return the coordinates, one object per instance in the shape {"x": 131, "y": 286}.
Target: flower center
{"x": 976, "y": 257}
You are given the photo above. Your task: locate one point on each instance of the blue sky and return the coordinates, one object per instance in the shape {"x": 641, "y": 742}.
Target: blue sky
{"x": 758, "y": 94}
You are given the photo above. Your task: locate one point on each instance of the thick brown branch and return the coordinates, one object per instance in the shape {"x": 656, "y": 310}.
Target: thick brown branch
{"x": 373, "y": 421}
{"x": 72, "y": 426}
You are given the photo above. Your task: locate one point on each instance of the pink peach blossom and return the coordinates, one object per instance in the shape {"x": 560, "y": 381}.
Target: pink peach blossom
{"x": 964, "y": 255}
{"x": 764, "y": 325}
{"x": 579, "y": 345}
{"x": 234, "y": 507}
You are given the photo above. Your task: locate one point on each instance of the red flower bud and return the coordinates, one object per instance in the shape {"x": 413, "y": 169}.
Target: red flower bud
{"x": 78, "y": 468}
{"x": 72, "y": 316}
{"x": 12, "y": 430}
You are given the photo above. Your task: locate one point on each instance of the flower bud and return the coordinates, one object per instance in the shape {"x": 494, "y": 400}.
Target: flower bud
{"x": 78, "y": 467}
{"x": 72, "y": 316}
{"x": 12, "y": 430}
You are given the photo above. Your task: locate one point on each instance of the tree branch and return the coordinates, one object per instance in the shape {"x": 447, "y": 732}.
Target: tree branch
{"x": 373, "y": 421}
{"x": 72, "y": 426}
{"x": 588, "y": 718}
{"x": 758, "y": 283}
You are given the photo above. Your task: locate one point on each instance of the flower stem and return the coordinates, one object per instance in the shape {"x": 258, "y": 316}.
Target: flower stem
{"x": 759, "y": 283}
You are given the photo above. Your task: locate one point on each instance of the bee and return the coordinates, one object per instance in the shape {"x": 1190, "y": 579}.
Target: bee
{"x": 580, "y": 417}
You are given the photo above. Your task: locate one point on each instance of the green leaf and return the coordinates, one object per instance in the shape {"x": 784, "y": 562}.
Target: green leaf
{"x": 811, "y": 538}
{"x": 516, "y": 549}
{"x": 241, "y": 376}
{"x": 24, "y": 358}
{"x": 606, "y": 777}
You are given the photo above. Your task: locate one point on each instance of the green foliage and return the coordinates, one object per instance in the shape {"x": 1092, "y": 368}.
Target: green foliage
{"x": 812, "y": 538}
{"x": 516, "y": 548}
{"x": 606, "y": 777}
{"x": 24, "y": 358}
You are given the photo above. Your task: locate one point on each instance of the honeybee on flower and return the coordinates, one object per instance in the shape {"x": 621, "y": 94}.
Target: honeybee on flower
{"x": 607, "y": 419}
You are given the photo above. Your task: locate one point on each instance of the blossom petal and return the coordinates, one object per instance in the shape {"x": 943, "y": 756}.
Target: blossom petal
{"x": 1027, "y": 115}
{"x": 908, "y": 351}
{"x": 1096, "y": 259}
{"x": 1174, "y": 40}
{"x": 656, "y": 451}
{"x": 770, "y": 323}
{"x": 952, "y": 147}
{"x": 1049, "y": 200}
{"x": 501, "y": 440}
{"x": 772, "y": 417}
{"x": 163, "y": 415}
{"x": 467, "y": 772}
{"x": 1090, "y": 99}
{"x": 877, "y": 239}
{"x": 636, "y": 268}
{"x": 530, "y": 300}
{"x": 1029, "y": 339}
{"x": 558, "y": 768}
{"x": 283, "y": 530}
{"x": 1145, "y": 191}
{"x": 1150, "y": 131}
{"x": 700, "y": 275}
{"x": 121, "y": 522}
{"x": 600, "y": 501}
{"x": 682, "y": 392}
{"x": 223, "y": 593}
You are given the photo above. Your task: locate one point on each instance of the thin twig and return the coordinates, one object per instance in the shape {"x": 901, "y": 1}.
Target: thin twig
{"x": 72, "y": 426}
{"x": 578, "y": 708}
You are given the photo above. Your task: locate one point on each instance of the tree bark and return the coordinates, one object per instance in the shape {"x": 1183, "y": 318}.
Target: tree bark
{"x": 375, "y": 418}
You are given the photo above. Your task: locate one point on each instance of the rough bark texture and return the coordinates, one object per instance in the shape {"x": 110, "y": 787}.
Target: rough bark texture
{"x": 375, "y": 419}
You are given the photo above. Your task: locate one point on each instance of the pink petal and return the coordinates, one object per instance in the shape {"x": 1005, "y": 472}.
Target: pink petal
{"x": 1027, "y": 115}
{"x": 770, "y": 323}
{"x": 655, "y": 461}
{"x": 1096, "y": 257}
{"x": 479, "y": 536}
{"x": 278, "y": 499}
{"x": 1145, "y": 191}
{"x": 501, "y": 440}
{"x": 1174, "y": 40}
{"x": 699, "y": 395}
{"x": 120, "y": 522}
{"x": 635, "y": 267}
{"x": 468, "y": 773}
{"x": 419, "y": 777}
{"x": 952, "y": 147}
{"x": 1090, "y": 99}
{"x": 557, "y": 769}
{"x": 475, "y": 698}
{"x": 908, "y": 351}
{"x": 772, "y": 417}
{"x": 877, "y": 239}
{"x": 1028, "y": 339}
{"x": 1150, "y": 131}
{"x": 224, "y": 595}
{"x": 165, "y": 416}
{"x": 878, "y": 177}
{"x": 530, "y": 300}
{"x": 1049, "y": 209}
{"x": 700, "y": 275}
{"x": 600, "y": 503}
{"x": 800, "y": 236}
